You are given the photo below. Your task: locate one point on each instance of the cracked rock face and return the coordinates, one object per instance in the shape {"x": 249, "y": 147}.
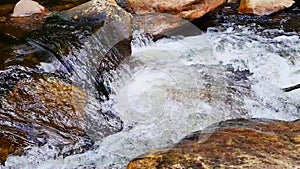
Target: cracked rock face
{"x": 264, "y": 7}
{"x": 231, "y": 144}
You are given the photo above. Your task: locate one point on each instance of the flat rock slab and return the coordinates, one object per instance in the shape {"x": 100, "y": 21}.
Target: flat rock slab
{"x": 231, "y": 144}
{"x": 188, "y": 9}
{"x": 263, "y": 7}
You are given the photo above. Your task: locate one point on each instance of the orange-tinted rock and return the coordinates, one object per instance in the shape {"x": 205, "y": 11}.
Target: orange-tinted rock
{"x": 41, "y": 110}
{"x": 263, "y": 7}
{"x": 189, "y": 9}
{"x": 6, "y": 147}
{"x": 157, "y": 23}
{"x": 231, "y": 144}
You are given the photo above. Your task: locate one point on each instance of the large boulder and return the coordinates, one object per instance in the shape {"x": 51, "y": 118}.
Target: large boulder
{"x": 39, "y": 102}
{"x": 231, "y": 144}
{"x": 41, "y": 110}
{"x": 264, "y": 7}
{"x": 188, "y": 9}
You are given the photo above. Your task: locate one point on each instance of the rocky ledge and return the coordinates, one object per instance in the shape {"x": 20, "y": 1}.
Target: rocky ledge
{"x": 236, "y": 143}
{"x": 40, "y": 110}
{"x": 188, "y": 9}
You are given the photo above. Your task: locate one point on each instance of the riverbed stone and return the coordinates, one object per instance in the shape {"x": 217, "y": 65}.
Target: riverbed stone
{"x": 188, "y": 9}
{"x": 240, "y": 143}
{"x": 27, "y": 8}
{"x": 41, "y": 110}
{"x": 264, "y": 7}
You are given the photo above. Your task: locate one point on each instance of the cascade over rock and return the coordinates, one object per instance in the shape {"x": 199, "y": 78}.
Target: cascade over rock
{"x": 231, "y": 144}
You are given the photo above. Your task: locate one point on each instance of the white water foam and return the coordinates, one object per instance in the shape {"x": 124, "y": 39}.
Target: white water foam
{"x": 172, "y": 87}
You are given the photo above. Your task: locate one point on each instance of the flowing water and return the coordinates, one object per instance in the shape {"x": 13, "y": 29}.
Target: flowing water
{"x": 169, "y": 88}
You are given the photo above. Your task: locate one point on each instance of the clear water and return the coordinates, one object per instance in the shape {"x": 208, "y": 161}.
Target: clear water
{"x": 170, "y": 88}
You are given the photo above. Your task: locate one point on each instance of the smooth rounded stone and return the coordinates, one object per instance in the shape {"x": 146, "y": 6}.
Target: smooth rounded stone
{"x": 263, "y": 7}
{"x": 239, "y": 143}
{"x": 41, "y": 110}
{"x": 188, "y": 9}
{"x": 27, "y": 8}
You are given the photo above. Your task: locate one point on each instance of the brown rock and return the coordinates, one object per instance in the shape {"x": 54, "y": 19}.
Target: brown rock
{"x": 6, "y": 147}
{"x": 157, "y": 23}
{"x": 32, "y": 19}
{"x": 263, "y": 7}
{"x": 18, "y": 27}
{"x": 231, "y": 144}
{"x": 41, "y": 110}
{"x": 189, "y": 9}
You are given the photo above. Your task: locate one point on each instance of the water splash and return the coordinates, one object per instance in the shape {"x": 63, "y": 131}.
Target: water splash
{"x": 172, "y": 87}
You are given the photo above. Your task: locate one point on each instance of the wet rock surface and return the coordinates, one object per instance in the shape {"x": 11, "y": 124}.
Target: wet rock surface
{"x": 264, "y": 7}
{"x": 18, "y": 27}
{"x": 40, "y": 110}
{"x": 39, "y": 101}
{"x": 190, "y": 9}
{"x": 41, "y": 55}
{"x": 159, "y": 25}
{"x": 234, "y": 143}
{"x": 286, "y": 20}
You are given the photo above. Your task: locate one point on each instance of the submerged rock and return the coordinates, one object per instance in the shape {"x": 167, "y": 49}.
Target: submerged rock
{"x": 231, "y": 144}
{"x": 264, "y": 7}
{"x": 189, "y": 9}
{"x": 41, "y": 110}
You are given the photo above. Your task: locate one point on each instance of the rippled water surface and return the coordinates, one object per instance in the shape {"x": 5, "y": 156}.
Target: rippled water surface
{"x": 174, "y": 86}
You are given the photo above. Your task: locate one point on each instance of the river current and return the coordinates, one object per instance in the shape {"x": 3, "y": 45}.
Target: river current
{"x": 171, "y": 87}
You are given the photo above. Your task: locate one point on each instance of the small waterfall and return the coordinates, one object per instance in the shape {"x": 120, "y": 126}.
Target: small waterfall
{"x": 174, "y": 86}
